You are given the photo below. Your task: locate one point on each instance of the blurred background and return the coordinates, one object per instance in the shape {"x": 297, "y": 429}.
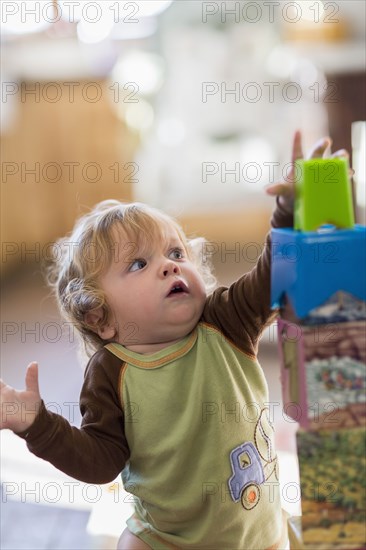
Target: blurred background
{"x": 190, "y": 106}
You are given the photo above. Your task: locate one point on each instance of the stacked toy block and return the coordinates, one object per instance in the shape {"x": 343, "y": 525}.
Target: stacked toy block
{"x": 319, "y": 284}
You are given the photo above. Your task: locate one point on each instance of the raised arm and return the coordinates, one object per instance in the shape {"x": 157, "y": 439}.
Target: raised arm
{"x": 243, "y": 310}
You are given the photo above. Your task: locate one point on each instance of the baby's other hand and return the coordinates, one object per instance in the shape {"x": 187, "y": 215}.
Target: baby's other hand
{"x": 20, "y": 408}
{"x": 286, "y": 190}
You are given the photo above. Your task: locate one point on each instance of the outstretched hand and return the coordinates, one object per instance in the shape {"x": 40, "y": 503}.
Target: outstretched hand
{"x": 286, "y": 190}
{"x": 20, "y": 408}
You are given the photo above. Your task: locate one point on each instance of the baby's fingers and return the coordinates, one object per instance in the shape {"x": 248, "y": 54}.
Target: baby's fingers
{"x": 320, "y": 148}
{"x": 31, "y": 378}
{"x": 297, "y": 147}
{"x": 342, "y": 153}
{"x": 278, "y": 189}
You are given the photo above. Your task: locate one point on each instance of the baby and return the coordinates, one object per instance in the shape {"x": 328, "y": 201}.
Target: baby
{"x": 174, "y": 397}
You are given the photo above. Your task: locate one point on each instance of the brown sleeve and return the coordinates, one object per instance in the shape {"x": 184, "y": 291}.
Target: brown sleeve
{"x": 243, "y": 310}
{"x": 98, "y": 451}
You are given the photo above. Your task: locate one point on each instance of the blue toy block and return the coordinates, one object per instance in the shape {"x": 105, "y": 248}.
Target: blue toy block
{"x": 308, "y": 268}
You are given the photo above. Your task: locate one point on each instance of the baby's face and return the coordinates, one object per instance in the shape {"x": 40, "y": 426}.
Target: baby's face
{"x": 156, "y": 297}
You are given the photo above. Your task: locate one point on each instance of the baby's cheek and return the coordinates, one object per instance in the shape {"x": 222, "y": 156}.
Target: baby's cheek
{"x": 201, "y": 290}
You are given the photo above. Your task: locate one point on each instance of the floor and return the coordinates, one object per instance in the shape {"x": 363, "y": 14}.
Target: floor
{"x": 40, "y": 507}
{"x": 41, "y": 527}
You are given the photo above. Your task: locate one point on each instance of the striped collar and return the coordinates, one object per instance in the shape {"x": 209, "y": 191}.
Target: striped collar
{"x": 158, "y": 359}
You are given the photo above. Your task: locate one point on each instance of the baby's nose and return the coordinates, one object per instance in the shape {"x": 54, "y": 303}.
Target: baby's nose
{"x": 169, "y": 268}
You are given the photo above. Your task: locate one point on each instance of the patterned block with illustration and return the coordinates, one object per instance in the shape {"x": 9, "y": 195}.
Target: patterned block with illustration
{"x": 332, "y": 467}
{"x": 323, "y": 373}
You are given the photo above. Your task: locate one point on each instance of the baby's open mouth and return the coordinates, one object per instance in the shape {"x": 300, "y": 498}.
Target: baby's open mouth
{"x": 178, "y": 288}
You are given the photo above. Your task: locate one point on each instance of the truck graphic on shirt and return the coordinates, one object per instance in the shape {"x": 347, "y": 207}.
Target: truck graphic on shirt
{"x": 252, "y": 464}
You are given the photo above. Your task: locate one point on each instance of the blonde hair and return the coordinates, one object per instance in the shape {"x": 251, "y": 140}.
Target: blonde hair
{"x": 80, "y": 259}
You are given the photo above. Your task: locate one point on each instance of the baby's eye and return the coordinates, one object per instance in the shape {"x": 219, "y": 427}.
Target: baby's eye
{"x": 177, "y": 254}
{"x": 137, "y": 265}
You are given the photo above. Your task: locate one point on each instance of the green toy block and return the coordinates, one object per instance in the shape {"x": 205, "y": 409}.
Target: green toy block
{"x": 323, "y": 194}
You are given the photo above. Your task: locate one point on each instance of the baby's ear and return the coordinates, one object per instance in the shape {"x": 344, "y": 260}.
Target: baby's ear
{"x": 93, "y": 318}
